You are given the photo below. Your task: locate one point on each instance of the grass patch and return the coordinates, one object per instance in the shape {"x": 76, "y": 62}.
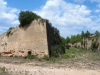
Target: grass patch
{"x": 72, "y": 53}
{"x": 95, "y": 56}
{"x": 3, "y": 69}
{"x": 31, "y": 56}
{"x": 46, "y": 57}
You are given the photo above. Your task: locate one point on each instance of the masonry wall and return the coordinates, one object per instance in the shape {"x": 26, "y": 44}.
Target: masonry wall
{"x": 23, "y": 40}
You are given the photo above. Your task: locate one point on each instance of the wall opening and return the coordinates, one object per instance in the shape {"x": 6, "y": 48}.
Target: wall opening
{"x": 29, "y": 52}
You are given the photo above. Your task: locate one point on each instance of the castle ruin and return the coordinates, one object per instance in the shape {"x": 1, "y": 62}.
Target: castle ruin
{"x": 34, "y": 39}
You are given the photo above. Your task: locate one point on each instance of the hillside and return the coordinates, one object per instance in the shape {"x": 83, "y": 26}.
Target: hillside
{"x": 87, "y": 40}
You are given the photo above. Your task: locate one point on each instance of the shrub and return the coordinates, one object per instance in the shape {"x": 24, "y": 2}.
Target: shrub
{"x": 57, "y": 50}
{"x": 31, "y": 56}
{"x": 3, "y": 69}
{"x": 95, "y": 45}
{"x": 9, "y": 31}
{"x": 26, "y": 17}
{"x": 68, "y": 46}
{"x": 46, "y": 57}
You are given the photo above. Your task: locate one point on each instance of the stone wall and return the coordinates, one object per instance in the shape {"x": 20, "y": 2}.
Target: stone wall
{"x": 23, "y": 40}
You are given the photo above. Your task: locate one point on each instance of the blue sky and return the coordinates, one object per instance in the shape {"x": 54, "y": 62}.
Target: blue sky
{"x": 69, "y": 16}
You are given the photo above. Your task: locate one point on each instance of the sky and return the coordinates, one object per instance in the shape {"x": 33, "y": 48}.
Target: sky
{"x": 70, "y": 17}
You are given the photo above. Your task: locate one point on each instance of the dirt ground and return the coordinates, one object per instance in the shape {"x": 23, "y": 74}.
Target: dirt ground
{"x": 38, "y": 70}
{"x": 21, "y": 66}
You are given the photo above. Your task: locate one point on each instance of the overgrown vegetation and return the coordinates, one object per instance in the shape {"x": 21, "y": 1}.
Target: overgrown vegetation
{"x": 95, "y": 45}
{"x": 72, "y": 53}
{"x": 56, "y": 42}
{"x": 46, "y": 57}
{"x": 3, "y": 69}
{"x": 75, "y": 54}
{"x": 84, "y": 39}
{"x": 31, "y": 56}
{"x": 57, "y": 50}
{"x": 9, "y": 31}
{"x": 26, "y": 17}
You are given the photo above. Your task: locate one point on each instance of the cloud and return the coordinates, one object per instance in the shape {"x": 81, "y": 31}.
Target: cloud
{"x": 8, "y": 16}
{"x": 79, "y": 1}
{"x": 67, "y": 17}
{"x": 95, "y": 0}
{"x": 97, "y": 10}
{"x": 98, "y": 5}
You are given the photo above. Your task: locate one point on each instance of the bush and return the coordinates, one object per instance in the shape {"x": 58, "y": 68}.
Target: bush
{"x": 31, "y": 56}
{"x": 26, "y": 17}
{"x": 95, "y": 45}
{"x": 3, "y": 69}
{"x": 46, "y": 57}
{"x": 68, "y": 46}
{"x": 9, "y": 31}
{"x": 57, "y": 50}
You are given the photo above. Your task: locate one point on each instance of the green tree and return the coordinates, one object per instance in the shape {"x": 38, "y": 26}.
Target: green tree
{"x": 82, "y": 34}
{"x": 67, "y": 40}
{"x": 26, "y": 17}
{"x": 87, "y": 34}
{"x": 73, "y": 39}
{"x": 78, "y": 37}
{"x": 97, "y": 33}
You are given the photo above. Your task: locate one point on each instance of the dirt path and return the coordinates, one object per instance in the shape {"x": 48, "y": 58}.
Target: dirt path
{"x": 4, "y": 74}
{"x": 25, "y": 69}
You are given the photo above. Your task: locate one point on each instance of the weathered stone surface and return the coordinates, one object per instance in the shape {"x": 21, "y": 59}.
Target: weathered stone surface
{"x": 22, "y": 40}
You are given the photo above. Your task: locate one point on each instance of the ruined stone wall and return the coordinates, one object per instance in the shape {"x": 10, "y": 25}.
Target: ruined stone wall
{"x": 23, "y": 40}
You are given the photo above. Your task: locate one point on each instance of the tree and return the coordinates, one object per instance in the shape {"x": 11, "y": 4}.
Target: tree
{"x": 67, "y": 40}
{"x": 97, "y": 33}
{"x": 26, "y": 17}
{"x": 73, "y": 39}
{"x": 82, "y": 34}
{"x": 78, "y": 37}
{"x": 87, "y": 34}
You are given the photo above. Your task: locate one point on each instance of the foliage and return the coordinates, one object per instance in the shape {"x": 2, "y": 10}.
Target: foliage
{"x": 83, "y": 34}
{"x": 29, "y": 56}
{"x": 57, "y": 38}
{"x": 9, "y": 31}
{"x": 57, "y": 50}
{"x": 67, "y": 40}
{"x": 67, "y": 46}
{"x": 97, "y": 33}
{"x": 26, "y": 17}
{"x": 75, "y": 38}
{"x": 72, "y": 53}
{"x": 56, "y": 42}
{"x": 46, "y": 57}
{"x": 3, "y": 69}
{"x": 95, "y": 45}
{"x": 87, "y": 34}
